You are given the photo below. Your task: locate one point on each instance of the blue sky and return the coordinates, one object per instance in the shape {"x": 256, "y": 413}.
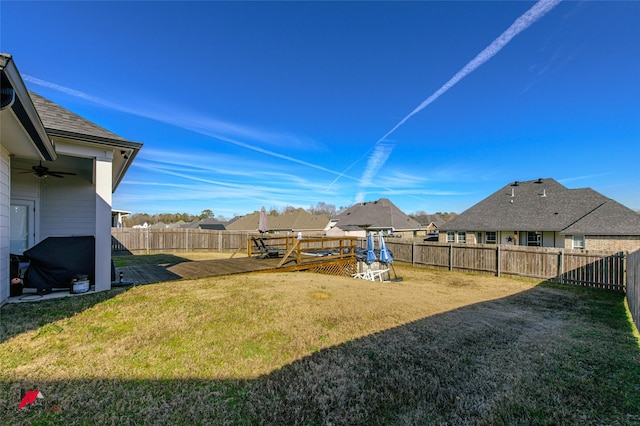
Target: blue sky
{"x": 434, "y": 105}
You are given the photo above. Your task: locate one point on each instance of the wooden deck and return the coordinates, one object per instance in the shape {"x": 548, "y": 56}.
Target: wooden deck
{"x": 146, "y": 274}
{"x": 335, "y": 256}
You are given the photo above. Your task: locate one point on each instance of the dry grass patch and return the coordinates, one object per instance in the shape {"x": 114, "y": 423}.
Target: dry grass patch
{"x": 302, "y": 348}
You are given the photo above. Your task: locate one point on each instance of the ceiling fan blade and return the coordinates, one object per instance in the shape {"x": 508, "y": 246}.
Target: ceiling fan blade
{"x": 54, "y": 174}
{"x": 61, "y": 173}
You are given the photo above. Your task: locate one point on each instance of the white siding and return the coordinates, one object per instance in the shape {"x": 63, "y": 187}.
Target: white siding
{"x": 5, "y": 195}
{"x": 67, "y": 207}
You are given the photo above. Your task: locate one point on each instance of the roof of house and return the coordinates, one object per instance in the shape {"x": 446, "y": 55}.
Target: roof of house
{"x": 62, "y": 123}
{"x": 611, "y": 216}
{"x": 56, "y": 118}
{"x": 435, "y": 219}
{"x": 206, "y": 223}
{"x": 546, "y": 205}
{"x": 380, "y": 214}
{"x": 292, "y": 220}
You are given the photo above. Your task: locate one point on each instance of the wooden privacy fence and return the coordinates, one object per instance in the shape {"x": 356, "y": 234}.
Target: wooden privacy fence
{"x": 633, "y": 286}
{"x": 603, "y": 270}
{"x": 148, "y": 240}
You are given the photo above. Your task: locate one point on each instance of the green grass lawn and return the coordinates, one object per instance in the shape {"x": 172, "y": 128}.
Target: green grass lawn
{"x": 302, "y": 348}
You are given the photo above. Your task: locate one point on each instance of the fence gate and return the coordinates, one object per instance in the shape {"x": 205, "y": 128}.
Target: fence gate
{"x": 607, "y": 273}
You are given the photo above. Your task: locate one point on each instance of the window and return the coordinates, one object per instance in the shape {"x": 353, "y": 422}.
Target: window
{"x": 534, "y": 239}
{"x": 478, "y": 237}
{"x": 21, "y": 225}
{"x": 490, "y": 237}
{"x": 578, "y": 242}
{"x": 462, "y": 237}
{"x": 451, "y": 237}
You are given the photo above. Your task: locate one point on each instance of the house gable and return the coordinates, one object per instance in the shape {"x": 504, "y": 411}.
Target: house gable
{"x": 297, "y": 220}
{"x": 377, "y": 215}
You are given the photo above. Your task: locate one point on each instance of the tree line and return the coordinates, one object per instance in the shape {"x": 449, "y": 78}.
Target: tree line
{"x": 320, "y": 209}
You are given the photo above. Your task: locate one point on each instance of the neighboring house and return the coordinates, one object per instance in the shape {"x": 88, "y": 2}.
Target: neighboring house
{"x": 289, "y": 222}
{"x": 116, "y": 218}
{"x": 34, "y": 203}
{"x": 210, "y": 224}
{"x": 433, "y": 223}
{"x": 544, "y": 213}
{"x": 381, "y": 215}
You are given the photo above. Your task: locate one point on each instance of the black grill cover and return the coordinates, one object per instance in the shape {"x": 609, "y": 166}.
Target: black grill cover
{"x": 56, "y": 260}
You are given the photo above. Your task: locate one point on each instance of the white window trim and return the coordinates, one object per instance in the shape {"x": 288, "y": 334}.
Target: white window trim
{"x": 581, "y": 239}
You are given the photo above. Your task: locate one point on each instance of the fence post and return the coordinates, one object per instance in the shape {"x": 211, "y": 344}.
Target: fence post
{"x": 451, "y": 257}
{"x": 561, "y": 266}
{"x": 147, "y": 240}
{"x": 186, "y": 240}
{"x": 497, "y": 260}
{"x": 623, "y": 270}
{"x": 413, "y": 253}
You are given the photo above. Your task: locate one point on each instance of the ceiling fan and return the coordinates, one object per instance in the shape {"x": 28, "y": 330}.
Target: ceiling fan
{"x": 41, "y": 171}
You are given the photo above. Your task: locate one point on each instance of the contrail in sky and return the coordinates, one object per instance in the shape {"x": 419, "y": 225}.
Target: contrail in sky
{"x": 522, "y": 23}
{"x": 203, "y": 126}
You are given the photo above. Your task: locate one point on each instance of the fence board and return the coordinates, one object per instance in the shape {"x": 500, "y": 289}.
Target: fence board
{"x": 603, "y": 270}
{"x": 633, "y": 286}
{"x": 147, "y": 240}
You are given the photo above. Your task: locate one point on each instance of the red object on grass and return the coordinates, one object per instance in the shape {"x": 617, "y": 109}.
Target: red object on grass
{"x": 29, "y": 398}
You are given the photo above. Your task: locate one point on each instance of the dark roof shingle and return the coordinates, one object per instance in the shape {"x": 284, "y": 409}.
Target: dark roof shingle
{"x": 380, "y": 214}
{"x": 54, "y": 117}
{"x": 546, "y": 205}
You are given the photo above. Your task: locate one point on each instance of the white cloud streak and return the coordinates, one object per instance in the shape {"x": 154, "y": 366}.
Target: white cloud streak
{"x": 202, "y": 125}
{"x": 376, "y": 161}
{"x": 536, "y": 12}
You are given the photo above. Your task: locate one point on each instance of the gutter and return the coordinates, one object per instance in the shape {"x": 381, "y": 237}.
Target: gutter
{"x": 24, "y": 110}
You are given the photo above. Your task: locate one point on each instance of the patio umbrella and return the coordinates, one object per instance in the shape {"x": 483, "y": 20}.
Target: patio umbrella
{"x": 385, "y": 255}
{"x": 371, "y": 255}
{"x": 262, "y": 222}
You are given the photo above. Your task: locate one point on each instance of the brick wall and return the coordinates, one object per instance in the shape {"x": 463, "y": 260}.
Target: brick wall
{"x": 614, "y": 243}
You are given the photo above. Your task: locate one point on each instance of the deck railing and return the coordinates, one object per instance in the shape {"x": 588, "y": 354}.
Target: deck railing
{"x": 303, "y": 250}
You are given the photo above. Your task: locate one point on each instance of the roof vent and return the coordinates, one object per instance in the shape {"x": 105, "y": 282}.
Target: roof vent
{"x": 544, "y": 193}
{"x": 515, "y": 183}
{"x": 539, "y": 180}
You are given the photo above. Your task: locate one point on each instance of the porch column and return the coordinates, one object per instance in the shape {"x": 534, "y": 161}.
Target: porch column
{"x": 103, "y": 223}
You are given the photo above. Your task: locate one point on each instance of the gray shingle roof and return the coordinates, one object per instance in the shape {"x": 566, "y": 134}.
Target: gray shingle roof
{"x": 296, "y": 220}
{"x": 380, "y": 214}
{"x": 546, "y": 205}
{"x": 611, "y": 216}
{"x": 54, "y": 117}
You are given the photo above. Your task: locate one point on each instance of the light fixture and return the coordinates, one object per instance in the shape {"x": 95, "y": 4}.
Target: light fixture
{"x": 124, "y": 155}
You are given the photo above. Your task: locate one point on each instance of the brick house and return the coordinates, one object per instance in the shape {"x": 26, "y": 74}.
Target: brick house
{"x": 545, "y": 213}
